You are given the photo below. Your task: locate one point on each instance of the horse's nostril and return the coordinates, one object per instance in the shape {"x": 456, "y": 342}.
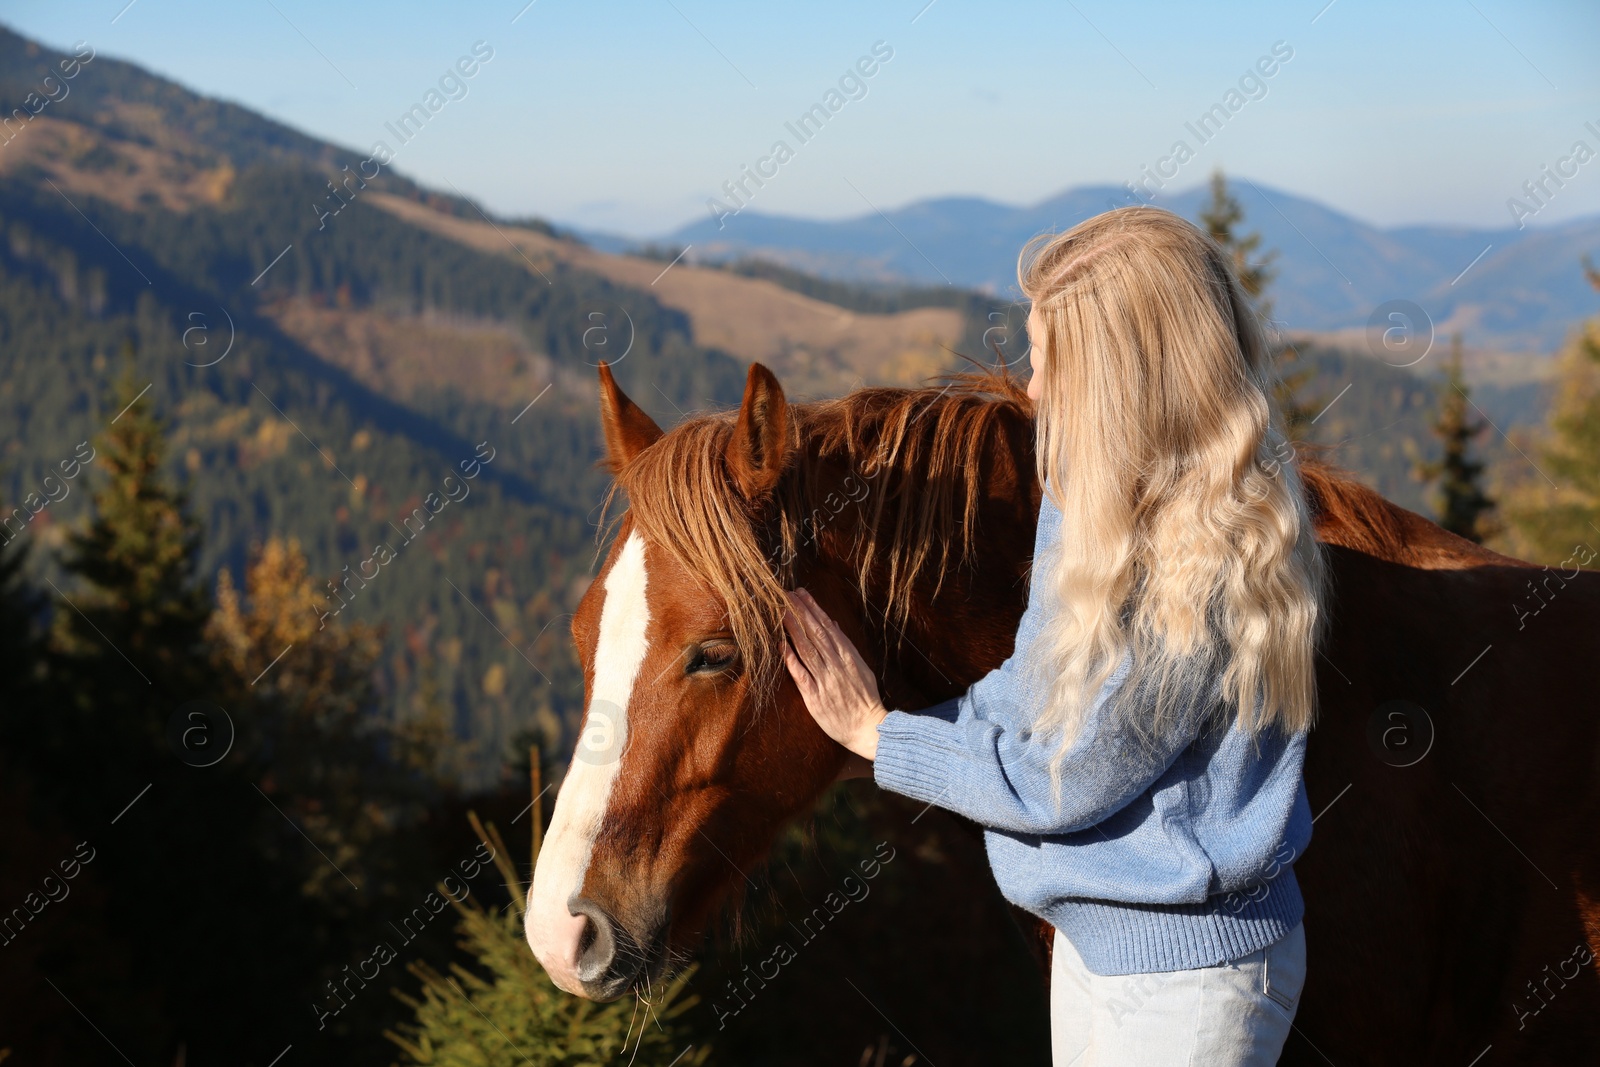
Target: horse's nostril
{"x": 597, "y": 948}
{"x": 610, "y": 959}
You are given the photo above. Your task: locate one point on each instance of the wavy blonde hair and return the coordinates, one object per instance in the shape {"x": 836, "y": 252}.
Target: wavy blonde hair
{"x": 1186, "y": 539}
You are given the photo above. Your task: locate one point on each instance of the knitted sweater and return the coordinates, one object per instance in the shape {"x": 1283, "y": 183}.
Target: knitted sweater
{"x": 1153, "y": 855}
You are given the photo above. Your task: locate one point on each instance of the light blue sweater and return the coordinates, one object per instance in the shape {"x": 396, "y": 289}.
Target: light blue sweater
{"x": 1157, "y": 855}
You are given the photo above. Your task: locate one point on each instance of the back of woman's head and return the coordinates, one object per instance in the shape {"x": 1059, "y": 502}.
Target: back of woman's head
{"x": 1186, "y": 539}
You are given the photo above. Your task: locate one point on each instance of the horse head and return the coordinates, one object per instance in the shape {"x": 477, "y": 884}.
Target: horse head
{"x": 695, "y": 748}
{"x": 688, "y": 760}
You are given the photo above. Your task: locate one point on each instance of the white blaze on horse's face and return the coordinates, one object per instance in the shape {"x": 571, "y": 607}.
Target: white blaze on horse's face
{"x": 555, "y": 934}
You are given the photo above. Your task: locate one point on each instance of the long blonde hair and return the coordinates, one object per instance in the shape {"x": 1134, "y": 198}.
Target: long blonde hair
{"x": 1186, "y": 540}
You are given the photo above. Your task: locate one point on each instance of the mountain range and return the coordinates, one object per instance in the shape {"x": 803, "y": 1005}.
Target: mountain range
{"x": 1516, "y": 290}
{"x": 325, "y": 343}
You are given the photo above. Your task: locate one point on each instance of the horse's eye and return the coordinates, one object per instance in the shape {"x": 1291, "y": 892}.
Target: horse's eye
{"x": 713, "y": 657}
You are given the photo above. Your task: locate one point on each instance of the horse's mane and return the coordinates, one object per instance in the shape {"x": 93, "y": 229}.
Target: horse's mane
{"x": 917, "y": 448}
{"x": 1353, "y": 516}
{"x": 932, "y": 444}
{"x": 926, "y": 450}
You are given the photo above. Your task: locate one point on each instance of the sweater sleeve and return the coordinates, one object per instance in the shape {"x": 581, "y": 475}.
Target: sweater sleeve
{"x": 968, "y": 756}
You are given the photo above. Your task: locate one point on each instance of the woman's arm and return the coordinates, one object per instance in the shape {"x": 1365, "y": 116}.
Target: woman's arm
{"x": 965, "y": 754}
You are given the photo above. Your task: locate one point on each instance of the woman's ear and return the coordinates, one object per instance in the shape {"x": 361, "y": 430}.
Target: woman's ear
{"x": 760, "y": 445}
{"x": 1036, "y": 355}
{"x": 628, "y": 429}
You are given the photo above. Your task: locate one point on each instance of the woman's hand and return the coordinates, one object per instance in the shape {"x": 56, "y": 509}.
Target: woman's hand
{"x": 833, "y": 679}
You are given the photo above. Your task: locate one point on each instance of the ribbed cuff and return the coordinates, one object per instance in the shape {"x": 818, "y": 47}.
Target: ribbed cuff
{"x": 1117, "y": 939}
{"x": 912, "y": 759}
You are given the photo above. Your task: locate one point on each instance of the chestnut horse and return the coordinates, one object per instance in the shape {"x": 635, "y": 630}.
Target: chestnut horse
{"x": 1453, "y": 884}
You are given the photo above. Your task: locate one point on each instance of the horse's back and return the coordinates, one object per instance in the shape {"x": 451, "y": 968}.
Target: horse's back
{"x": 1458, "y": 751}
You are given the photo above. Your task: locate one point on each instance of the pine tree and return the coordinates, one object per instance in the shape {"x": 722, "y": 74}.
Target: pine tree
{"x": 21, "y": 649}
{"x": 139, "y": 625}
{"x": 1222, "y": 217}
{"x": 75, "y": 945}
{"x": 1555, "y": 516}
{"x": 1460, "y": 502}
{"x": 192, "y": 856}
{"x": 127, "y": 639}
{"x": 505, "y": 1012}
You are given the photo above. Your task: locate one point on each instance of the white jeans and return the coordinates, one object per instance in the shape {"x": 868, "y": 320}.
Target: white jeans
{"x": 1231, "y": 1015}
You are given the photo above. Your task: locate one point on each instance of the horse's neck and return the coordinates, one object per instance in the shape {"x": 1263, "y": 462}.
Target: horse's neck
{"x": 1351, "y": 515}
{"x": 962, "y": 616}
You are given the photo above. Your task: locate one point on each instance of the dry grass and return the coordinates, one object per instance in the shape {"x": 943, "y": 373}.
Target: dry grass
{"x": 1483, "y": 366}
{"x": 404, "y": 356}
{"x": 815, "y": 348}
{"x": 85, "y": 162}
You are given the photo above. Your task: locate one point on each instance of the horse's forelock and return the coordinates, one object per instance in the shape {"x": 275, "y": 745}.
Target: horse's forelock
{"x": 683, "y": 500}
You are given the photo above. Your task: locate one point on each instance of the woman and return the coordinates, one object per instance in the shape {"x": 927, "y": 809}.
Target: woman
{"x": 1136, "y": 763}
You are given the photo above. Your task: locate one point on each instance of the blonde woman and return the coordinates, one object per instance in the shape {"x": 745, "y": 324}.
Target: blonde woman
{"x": 1136, "y": 763}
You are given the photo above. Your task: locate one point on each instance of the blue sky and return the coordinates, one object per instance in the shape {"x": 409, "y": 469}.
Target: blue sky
{"x": 627, "y": 116}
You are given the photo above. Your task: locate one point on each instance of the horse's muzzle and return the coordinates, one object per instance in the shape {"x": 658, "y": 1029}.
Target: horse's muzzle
{"x": 611, "y": 960}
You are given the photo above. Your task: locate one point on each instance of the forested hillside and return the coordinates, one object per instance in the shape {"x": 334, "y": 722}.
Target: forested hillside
{"x": 211, "y": 239}
{"x": 273, "y": 440}
{"x": 286, "y": 459}
{"x": 227, "y": 909}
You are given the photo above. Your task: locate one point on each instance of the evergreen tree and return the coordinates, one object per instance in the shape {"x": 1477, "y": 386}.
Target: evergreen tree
{"x": 1554, "y": 523}
{"x": 139, "y": 625}
{"x": 127, "y": 642}
{"x": 71, "y": 945}
{"x": 1460, "y": 502}
{"x": 193, "y": 856}
{"x": 505, "y": 1011}
{"x": 1222, "y": 216}
{"x": 21, "y": 651}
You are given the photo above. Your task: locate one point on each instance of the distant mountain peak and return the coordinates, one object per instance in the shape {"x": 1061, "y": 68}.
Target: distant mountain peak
{"x": 1516, "y": 290}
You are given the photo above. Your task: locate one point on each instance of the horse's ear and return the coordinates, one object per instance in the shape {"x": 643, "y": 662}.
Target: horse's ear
{"x": 760, "y": 444}
{"x": 629, "y": 430}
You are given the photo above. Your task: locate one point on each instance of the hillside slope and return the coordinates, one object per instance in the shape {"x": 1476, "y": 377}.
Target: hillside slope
{"x": 323, "y": 364}
{"x": 816, "y": 347}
